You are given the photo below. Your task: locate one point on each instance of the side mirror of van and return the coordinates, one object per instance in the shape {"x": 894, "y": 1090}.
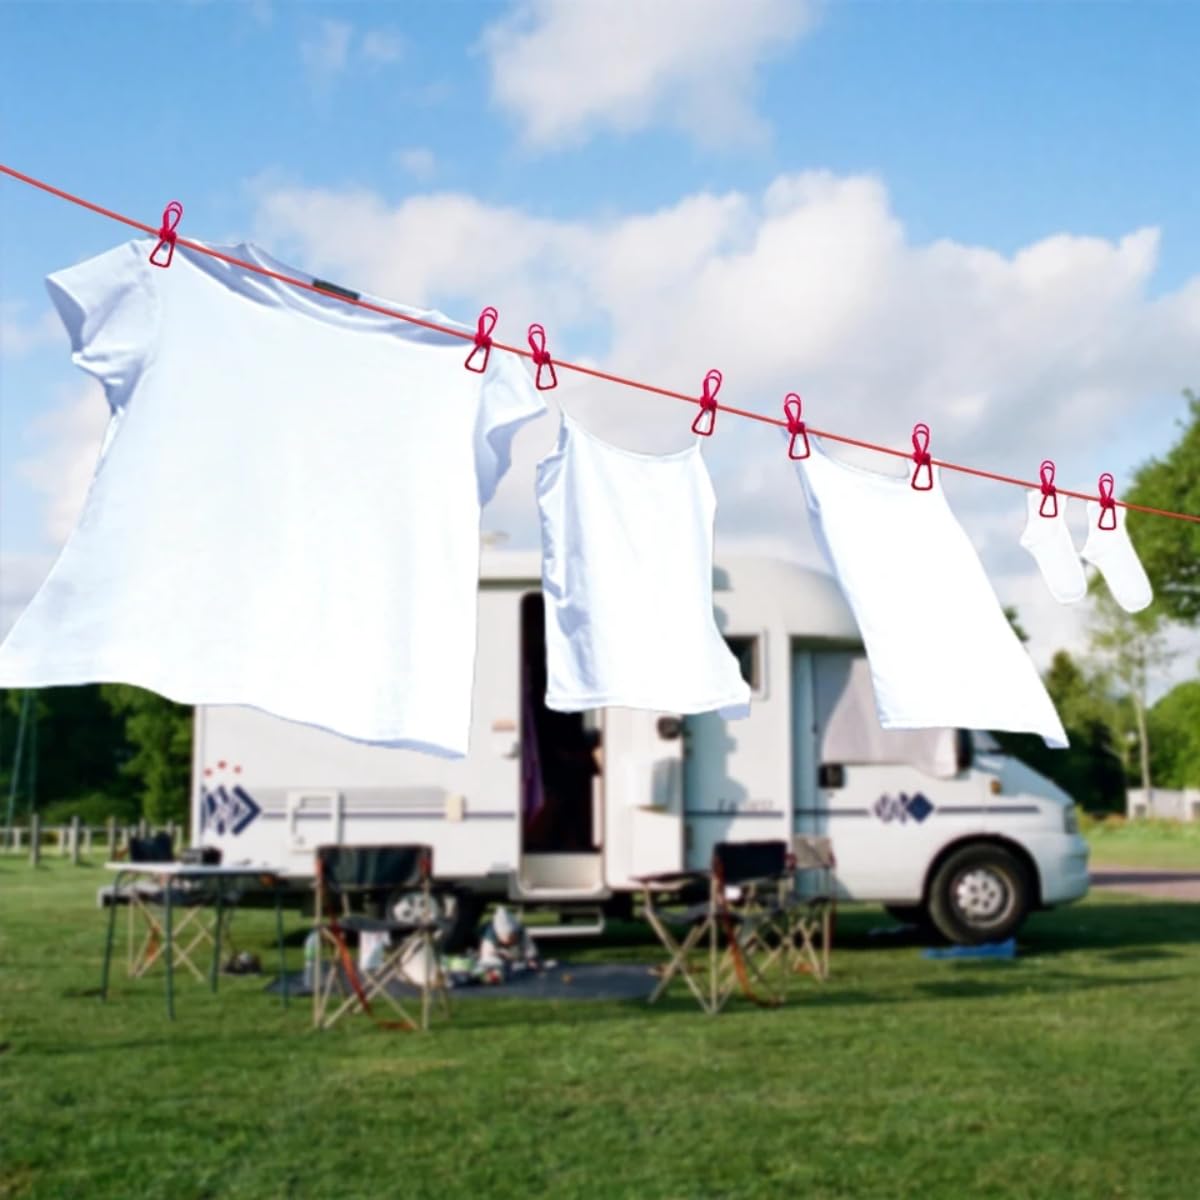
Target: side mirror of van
{"x": 831, "y": 775}
{"x": 669, "y": 728}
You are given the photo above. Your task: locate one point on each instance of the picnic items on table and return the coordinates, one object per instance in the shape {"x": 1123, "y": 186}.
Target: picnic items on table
{"x": 200, "y": 892}
{"x": 286, "y": 509}
{"x": 612, "y": 518}
{"x": 941, "y": 651}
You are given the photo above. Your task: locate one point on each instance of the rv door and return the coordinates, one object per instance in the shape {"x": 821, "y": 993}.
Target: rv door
{"x": 643, "y": 794}
{"x": 314, "y": 818}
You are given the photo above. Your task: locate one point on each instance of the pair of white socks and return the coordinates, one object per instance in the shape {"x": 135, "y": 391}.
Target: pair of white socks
{"x": 1108, "y": 549}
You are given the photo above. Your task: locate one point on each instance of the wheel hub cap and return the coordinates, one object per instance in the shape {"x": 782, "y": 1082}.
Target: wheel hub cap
{"x": 981, "y": 895}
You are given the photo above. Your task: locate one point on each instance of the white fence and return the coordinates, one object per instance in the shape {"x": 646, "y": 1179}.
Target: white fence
{"x": 1163, "y": 803}
{"x": 75, "y": 840}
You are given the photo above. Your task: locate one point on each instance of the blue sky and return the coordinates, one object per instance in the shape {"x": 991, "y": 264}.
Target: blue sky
{"x": 988, "y": 128}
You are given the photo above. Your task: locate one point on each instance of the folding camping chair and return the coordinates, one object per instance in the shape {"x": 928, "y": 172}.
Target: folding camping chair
{"x": 747, "y": 880}
{"x": 358, "y": 889}
{"x": 806, "y": 908}
{"x": 203, "y": 918}
{"x": 738, "y": 891}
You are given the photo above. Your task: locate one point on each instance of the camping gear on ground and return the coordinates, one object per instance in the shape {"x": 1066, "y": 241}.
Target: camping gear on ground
{"x": 735, "y": 900}
{"x": 1004, "y": 949}
{"x": 587, "y": 981}
{"x": 243, "y": 963}
{"x": 371, "y": 948}
{"x": 359, "y": 889}
{"x": 504, "y": 942}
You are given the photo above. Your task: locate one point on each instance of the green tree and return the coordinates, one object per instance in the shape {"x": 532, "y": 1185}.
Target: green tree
{"x": 159, "y": 734}
{"x": 1175, "y": 737}
{"x": 1133, "y": 650}
{"x": 1090, "y": 768}
{"x": 73, "y": 747}
{"x": 1170, "y": 550}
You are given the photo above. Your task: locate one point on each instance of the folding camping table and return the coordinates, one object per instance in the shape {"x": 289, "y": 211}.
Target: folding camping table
{"x": 170, "y": 873}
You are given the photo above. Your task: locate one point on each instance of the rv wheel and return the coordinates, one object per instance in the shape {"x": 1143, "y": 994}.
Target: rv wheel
{"x": 979, "y": 894}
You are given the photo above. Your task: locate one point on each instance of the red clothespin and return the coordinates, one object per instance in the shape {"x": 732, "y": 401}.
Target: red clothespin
{"x": 171, "y": 217}
{"x": 483, "y": 339}
{"x": 1108, "y": 506}
{"x": 541, "y": 356}
{"x": 708, "y": 404}
{"x": 791, "y": 409}
{"x": 1049, "y": 491}
{"x": 920, "y": 441}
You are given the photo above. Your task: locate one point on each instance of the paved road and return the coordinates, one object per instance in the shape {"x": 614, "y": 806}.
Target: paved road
{"x": 1148, "y": 881}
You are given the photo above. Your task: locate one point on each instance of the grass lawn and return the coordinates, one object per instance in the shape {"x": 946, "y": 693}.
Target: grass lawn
{"x": 1070, "y": 1072}
{"x": 1165, "y": 844}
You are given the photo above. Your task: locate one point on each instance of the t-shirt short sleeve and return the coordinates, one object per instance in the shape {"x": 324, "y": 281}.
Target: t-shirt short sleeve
{"x": 109, "y": 305}
{"x": 509, "y": 399}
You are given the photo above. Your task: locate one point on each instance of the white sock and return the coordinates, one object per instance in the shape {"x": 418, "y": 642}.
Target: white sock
{"x": 1111, "y": 551}
{"x": 1049, "y": 541}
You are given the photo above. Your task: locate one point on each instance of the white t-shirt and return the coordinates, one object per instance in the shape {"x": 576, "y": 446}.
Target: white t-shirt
{"x": 941, "y": 650}
{"x": 627, "y": 580}
{"x": 285, "y": 513}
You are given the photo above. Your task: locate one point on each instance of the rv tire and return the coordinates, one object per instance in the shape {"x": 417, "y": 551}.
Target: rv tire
{"x": 980, "y": 894}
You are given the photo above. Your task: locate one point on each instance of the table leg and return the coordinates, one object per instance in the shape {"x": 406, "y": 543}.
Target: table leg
{"x": 220, "y": 919}
{"x": 170, "y": 952}
{"x": 108, "y": 941}
{"x": 283, "y": 979}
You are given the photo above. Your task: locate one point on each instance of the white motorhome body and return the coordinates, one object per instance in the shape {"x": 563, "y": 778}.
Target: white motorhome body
{"x": 525, "y": 817}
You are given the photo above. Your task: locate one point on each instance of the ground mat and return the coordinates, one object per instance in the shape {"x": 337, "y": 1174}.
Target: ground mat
{"x": 586, "y": 981}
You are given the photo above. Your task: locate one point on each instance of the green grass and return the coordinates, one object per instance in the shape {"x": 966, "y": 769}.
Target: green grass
{"x": 1070, "y": 1072}
{"x": 1167, "y": 844}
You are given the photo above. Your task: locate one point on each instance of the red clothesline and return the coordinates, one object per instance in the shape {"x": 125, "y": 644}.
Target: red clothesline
{"x": 568, "y": 366}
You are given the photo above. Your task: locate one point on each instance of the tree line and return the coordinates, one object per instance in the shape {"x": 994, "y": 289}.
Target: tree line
{"x": 114, "y": 750}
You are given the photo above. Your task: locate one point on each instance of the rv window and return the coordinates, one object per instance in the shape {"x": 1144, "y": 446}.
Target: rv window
{"x": 745, "y": 650}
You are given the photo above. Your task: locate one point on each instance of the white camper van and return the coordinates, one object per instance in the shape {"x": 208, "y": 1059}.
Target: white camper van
{"x": 566, "y": 810}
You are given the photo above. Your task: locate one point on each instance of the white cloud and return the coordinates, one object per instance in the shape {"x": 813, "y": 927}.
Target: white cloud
{"x": 811, "y": 286}
{"x": 61, "y": 470}
{"x": 326, "y": 52}
{"x": 565, "y": 69}
{"x": 381, "y": 47}
{"x": 20, "y": 577}
{"x": 418, "y": 162}
{"x": 19, "y": 335}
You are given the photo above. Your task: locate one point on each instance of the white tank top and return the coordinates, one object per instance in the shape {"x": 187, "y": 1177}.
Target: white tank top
{"x": 941, "y": 650}
{"x": 627, "y": 579}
